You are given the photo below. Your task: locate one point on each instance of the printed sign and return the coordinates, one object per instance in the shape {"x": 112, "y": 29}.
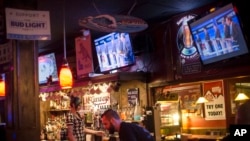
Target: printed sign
{"x": 83, "y": 55}
{"x": 190, "y": 61}
{"x": 215, "y": 108}
{"x": 133, "y": 96}
{"x": 6, "y": 53}
{"x": 97, "y": 100}
{"x": 27, "y": 24}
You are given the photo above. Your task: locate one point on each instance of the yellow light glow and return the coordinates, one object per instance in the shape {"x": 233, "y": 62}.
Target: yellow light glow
{"x": 65, "y": 77}
{"x": 212, "y": 9}
{"x": 176, "y": 118}
{"x": 201, "y": 100}
{"x": 2, "y": 88}
{"x": 241, "y": 96}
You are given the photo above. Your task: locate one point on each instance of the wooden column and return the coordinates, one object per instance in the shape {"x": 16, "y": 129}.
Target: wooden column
{"x": 23, "y": 115}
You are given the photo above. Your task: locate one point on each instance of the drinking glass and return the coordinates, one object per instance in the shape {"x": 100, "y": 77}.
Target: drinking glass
{"x": 106, "y": 136}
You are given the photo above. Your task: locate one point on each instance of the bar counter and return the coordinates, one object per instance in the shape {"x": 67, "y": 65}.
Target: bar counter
{"x": 194, "y": 137}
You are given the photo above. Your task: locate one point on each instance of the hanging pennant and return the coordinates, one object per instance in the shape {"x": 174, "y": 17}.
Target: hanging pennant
{"x": 84, "y": 61}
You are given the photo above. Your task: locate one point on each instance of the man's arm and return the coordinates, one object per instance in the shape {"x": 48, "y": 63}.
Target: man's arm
{"x": 95, "y": 132}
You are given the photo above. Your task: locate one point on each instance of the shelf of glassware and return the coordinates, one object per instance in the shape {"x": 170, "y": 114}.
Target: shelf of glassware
{"x": 169, "y": 120}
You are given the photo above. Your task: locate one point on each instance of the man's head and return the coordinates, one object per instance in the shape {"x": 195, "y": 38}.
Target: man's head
{"x": 228, "y": 20}
{"x": 111, "y": 120}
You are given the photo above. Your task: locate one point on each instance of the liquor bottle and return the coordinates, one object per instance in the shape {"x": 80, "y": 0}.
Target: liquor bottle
{"x": 137, "y": 112}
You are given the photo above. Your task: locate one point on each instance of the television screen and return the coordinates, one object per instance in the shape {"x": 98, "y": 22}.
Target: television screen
{"x": 47, "y": 68}
{"x": 114, "y": 51}
{"x": 218, "y": 35}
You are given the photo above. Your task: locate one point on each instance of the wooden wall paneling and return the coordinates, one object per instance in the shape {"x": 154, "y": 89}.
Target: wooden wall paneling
{"x": 23, "y": 116}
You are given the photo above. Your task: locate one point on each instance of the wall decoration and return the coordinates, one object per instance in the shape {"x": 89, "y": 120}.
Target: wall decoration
{"x": 6, "y": 53}
{"x": 188, "y": 95}
{"x": 214, "y": 93}
{"x": 189, "y": 57}
{"x": 27, "y": 24}
{"x": 84, "y": 59}
{"x": 112, "y": 23}
{"x": 99, "y": 101}
{"x": 133, "y": 96}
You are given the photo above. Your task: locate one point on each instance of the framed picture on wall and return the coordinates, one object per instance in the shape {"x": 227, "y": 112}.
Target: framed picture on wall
{"x": 133, "y": 96}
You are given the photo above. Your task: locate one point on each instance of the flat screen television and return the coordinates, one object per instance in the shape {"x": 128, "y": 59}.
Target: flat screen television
{"x": 114, "y": 51}
{"x": 219, "y": 35}
{"x": 47, "y": 68}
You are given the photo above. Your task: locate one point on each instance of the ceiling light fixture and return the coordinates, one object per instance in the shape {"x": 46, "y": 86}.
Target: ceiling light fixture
{"x": 65, "y": 76}
{"x": 2, "y": 86}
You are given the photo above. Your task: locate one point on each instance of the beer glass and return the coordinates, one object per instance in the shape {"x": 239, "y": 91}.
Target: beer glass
{"x": 106, "y": 136}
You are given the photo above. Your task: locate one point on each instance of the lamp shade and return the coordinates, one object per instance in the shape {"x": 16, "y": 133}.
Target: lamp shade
{"x": 65, "y": 77}
{"x": 201, "y": 100}
{"x": 241, "y": 96}
{"x": 2, "y": 87}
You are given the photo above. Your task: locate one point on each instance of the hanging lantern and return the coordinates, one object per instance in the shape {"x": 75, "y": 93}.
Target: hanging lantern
{"x": 2, "y": 86}
{"x": 65, "y": 77}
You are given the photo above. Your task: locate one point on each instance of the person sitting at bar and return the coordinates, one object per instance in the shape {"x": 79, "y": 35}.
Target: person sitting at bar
{"x": 75, "y": 122}
{"x": 127, "y": 131}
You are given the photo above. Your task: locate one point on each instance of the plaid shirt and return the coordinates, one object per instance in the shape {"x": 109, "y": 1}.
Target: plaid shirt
{"x": 78, "y": 125}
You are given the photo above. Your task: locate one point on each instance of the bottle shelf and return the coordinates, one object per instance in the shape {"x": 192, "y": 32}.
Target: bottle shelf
{"x": 59, "y": 110}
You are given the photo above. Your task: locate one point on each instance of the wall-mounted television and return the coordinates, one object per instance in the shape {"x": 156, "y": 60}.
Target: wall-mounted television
{"x": 47, "y": 68}
{"x": 114, "y": 51}
{"x": 219, "y": 35}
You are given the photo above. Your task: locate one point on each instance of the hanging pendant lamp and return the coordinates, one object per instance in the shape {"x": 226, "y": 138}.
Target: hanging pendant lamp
{"x": 201, "y": 100}
{"x": 241, "y": 96}
{"x": 65, "y": 76}
{"x": 2, "y": 86}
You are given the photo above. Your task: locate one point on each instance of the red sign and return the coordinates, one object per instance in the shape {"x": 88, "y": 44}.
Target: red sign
{"x": 215, "y": 108}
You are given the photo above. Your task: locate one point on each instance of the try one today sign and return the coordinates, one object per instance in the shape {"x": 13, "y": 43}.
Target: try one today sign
{"x": 27, "y": 24}
{"x": 215, "y": 108}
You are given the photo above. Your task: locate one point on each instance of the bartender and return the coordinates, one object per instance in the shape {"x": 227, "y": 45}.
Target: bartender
{"x": 75, "y": 122}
